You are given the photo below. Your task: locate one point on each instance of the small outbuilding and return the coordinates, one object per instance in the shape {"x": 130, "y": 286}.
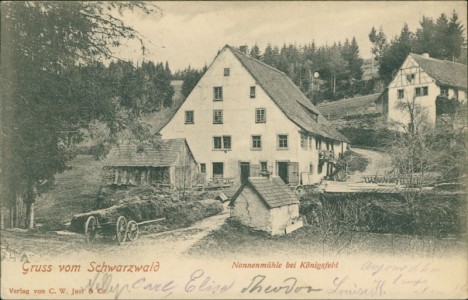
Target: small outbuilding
{"x": 163, "y": 162}
{"x": 267, "y": 204}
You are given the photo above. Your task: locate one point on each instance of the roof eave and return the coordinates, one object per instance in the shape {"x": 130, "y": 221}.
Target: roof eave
{"x": 439, "y": 83}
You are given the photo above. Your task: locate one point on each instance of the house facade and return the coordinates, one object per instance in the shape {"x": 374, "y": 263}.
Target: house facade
{"x": 163, "y": 162}
{"x": 422, "y": 79}
{"x": 265, "y": 203}
{"x": 245, "y": 117}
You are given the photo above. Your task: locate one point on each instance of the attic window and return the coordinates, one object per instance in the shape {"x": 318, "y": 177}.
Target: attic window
{"x": 252, "y": 92}
{"x": 189, "y": 117}
{"x": 226, "y": 72}
{"x": 260, "y": 115}
{"x": 218, "y": 93}
{"x": 315, "y": 117}
{"x": 410, "y": 77}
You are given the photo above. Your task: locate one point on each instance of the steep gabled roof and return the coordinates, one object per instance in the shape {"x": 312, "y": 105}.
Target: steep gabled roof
{"x": 288, "y": 97}
{"x": 348, "y": 107}
{"x": 162, "y": 153}
{"x": 273, "y": 191}
{"x": 443, "y": 71}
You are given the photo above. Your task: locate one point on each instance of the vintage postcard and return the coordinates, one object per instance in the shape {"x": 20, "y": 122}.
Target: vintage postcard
{"x": 233, "y": 150}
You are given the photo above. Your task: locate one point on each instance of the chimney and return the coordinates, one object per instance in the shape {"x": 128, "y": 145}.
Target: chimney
{"x": 244, "y": 49}
{"x": 425, "y": 55}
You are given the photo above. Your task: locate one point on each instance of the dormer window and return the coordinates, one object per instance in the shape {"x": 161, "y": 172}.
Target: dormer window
{"x": 226, "y": 72}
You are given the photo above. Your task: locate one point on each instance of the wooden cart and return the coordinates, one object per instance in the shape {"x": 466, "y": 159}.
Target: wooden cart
{"x": 122, "y": 230}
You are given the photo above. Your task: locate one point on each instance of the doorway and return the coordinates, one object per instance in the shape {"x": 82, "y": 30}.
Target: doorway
{"x": 244, "y": 171}
{"x": 218, "y": 171}
{"x": 282, "y": 170}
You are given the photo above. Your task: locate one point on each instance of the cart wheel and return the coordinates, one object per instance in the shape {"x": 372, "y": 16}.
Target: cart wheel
{"x": 90, "y": 229}
{"x": 132, "y": 230}
{"x": 121, "y": 230}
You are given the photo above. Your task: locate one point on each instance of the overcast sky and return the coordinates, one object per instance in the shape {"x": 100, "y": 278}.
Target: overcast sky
{"x": 191, "y": 33}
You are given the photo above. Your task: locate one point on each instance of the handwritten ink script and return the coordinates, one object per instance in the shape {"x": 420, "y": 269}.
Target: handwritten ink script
{"x": 289, "y": 285}
{"x": 198, "y": 281}
{"x": 411, "y": 277}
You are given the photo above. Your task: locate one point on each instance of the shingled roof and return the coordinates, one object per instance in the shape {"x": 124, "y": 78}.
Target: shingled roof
{"x": 288, "y": 97}
{"x": 162, "y": 153}
{"x": 272, "y": 190}
{"x": 349, "y": 107}
{"x": 443, "y": 71}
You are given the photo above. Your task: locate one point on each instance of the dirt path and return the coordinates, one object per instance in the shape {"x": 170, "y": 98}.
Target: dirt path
{"x": 378, "y": 163}
{"x": 175, "y": 243}
{"x": 70, "y": 245}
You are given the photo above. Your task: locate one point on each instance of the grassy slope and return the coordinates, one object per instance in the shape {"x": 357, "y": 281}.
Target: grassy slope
{"x": 232, "y": 240}
{"x": 74, "y": 191}
{"x": 356, "y": 161}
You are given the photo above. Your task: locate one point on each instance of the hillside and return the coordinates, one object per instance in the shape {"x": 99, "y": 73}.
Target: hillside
{"x": 74, "y": 191}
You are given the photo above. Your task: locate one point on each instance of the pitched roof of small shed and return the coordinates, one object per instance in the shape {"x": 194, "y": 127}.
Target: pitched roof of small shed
{"x": 162, "y": 153}
{"x": 272, "y": 190}
{"x": 350, "y": 106}
{"x": 288, "y": 97}
{"x": 443, "y": 71}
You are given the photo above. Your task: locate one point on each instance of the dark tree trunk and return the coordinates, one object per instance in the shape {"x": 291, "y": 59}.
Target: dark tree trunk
{"x": 17, "y": 217}
{"x": 2, "y": 218}
{"x": 12, "y": 215}
{"x": 30, "y": 215}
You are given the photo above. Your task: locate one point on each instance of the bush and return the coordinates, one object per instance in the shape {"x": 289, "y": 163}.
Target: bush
{"x": 367, "y": 137}
{"x": 432, "y": 214}
{"x": 356, "y": 161}
{"x": 187, "y": 213}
